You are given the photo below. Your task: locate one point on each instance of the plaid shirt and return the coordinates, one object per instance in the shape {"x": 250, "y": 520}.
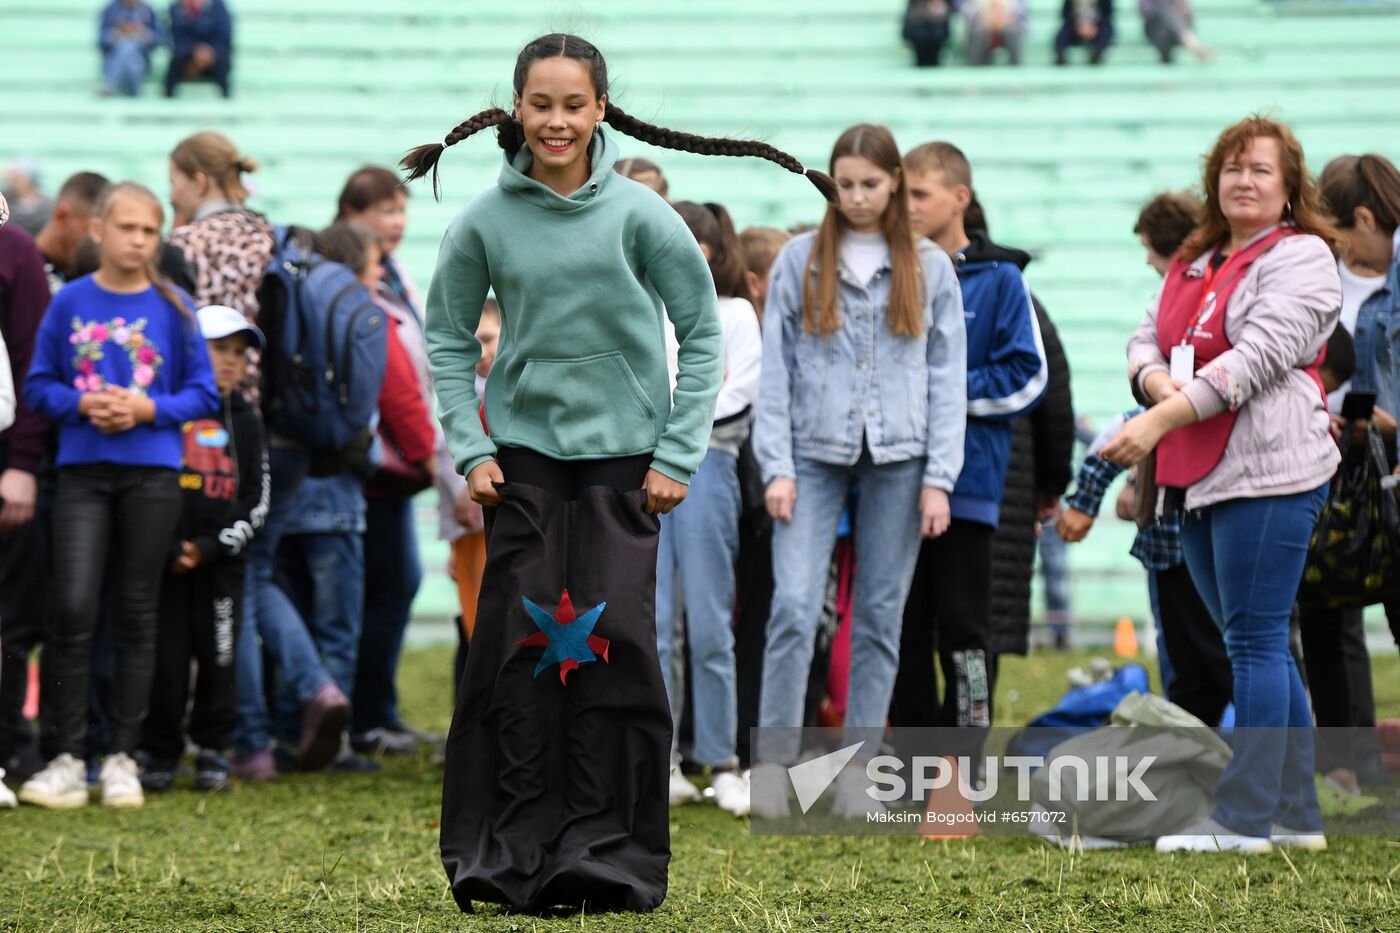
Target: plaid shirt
{"x": 1158, "y": 546}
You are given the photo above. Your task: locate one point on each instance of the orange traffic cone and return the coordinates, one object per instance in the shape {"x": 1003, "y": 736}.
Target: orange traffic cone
{"x": 1125, "y": 643}
{"x": 948, "y": 814}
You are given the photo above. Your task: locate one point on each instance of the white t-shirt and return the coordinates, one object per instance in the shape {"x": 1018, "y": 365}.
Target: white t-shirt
{"x": 864, "y": 254}
{"x": 743, "y": 356}
{"x": 1355, "y": 290}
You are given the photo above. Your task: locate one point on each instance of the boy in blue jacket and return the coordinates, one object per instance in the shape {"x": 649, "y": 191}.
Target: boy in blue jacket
{"x": 949, "y": 606}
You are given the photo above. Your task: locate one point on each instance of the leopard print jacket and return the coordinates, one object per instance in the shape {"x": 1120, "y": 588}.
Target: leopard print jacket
{"x": 228, "y": 252}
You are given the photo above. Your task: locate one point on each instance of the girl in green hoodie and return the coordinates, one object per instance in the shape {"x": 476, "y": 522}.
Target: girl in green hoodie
{"x": 555, "y": 786}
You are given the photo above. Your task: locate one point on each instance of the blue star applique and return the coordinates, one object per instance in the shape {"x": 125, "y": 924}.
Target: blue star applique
{"x": 567, "y": 639}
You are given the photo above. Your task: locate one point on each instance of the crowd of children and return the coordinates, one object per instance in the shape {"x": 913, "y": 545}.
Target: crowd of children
{"x": 653, "y": 496}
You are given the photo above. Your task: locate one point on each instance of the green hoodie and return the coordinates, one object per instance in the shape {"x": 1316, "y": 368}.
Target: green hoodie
{"x": 582, "y": 283}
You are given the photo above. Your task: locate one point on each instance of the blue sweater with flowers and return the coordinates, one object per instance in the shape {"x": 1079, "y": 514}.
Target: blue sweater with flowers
{"x": 92, "y": 338}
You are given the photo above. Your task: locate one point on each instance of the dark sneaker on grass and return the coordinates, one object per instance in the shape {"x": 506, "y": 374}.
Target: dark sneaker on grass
{"x": 427, "y": 738}
{"x": 158, "y": 774}
{"x": 211, "y": 772}
{"x": 350, "y": 763}
{"x": 384, "y": 742}
{"x": 322, "y": 722}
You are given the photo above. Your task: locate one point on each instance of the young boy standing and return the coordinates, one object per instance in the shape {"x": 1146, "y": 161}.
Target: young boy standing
{"x": 224, "y": 480}
{"x": 949, "y": 606}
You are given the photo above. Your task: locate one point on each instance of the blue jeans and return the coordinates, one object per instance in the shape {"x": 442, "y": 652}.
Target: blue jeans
{"x": 887, "y": 547}
{"x": 698, "y": 545}
{"x": 392, "y": 576}
{"x": 1246, "y": 557}
{"x": 125, "y": 67}
{"x": 323, "y": 575}
{"x": 270, "y": 621}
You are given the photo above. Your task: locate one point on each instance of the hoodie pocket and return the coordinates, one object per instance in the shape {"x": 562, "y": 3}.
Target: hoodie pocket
{"x": 592, "y": 406}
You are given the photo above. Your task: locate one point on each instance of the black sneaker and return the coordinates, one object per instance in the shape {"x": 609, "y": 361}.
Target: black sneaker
{"x": 384, "y": 742}
{"x": 211, "y": 772}
{"x": 427, "y": 738}
{"x": 350, "y": 763}
{"x": 158, "y": 774}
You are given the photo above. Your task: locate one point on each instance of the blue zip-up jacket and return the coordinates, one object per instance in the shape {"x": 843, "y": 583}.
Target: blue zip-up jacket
{"x": 212, "y": 27}
{"x": 91, "y": 338}
{"x": 824, "y": 397}
{"x": 1006, "y": 371}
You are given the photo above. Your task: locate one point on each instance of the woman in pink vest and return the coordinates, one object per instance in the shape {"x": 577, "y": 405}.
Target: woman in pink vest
{"x": 1226, "y": 358}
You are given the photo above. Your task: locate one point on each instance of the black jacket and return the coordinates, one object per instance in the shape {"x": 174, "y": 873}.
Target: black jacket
{"x": 225, "y": 482}
{"x": 1042, "y": 452}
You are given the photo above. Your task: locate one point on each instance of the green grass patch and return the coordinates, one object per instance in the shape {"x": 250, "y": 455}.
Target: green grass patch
{"x": 359, "y": 852}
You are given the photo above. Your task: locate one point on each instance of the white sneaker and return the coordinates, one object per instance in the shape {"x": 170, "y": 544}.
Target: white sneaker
{"x": 1210, "y": 836}
{"x": 731, "y": 791}
{"x": 852, "y": 801}
{"x": 1297, "y": 839}
{"x": 768, "y": 793}
{"x": 121, "y": 782}
{"x": 62, "y": 785}
{"x": 7, "y": 796}
{"x": 681, "y": 791}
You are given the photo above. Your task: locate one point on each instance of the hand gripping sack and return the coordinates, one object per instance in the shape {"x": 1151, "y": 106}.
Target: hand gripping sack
{"x": 325, "y": 356}
{"x": 1355, "y": 546}
{"x": 555, "y": 785}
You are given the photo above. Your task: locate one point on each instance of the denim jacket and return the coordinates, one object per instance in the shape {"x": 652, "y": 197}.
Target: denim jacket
{"x": 822, "y": 397}
{"x": 1377, "y": 336}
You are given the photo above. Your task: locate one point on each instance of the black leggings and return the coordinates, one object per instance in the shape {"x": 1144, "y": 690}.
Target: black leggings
{"x": 130, "y": 513}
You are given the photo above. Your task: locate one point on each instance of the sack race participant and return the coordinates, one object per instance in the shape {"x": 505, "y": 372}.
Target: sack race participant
{"x": 555, "y": 781}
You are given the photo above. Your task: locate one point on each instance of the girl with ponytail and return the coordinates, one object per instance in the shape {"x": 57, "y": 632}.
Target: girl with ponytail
{"x": 119, "y": 365}
{"x": 556, "y": 777}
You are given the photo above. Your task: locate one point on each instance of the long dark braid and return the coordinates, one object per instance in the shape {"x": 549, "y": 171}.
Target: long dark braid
{"x": 511, "y": 135}
{"x": 424, "y": 159}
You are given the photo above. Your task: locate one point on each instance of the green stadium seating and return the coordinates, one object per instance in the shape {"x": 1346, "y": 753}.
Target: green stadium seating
{"x": 1063, "y": 157}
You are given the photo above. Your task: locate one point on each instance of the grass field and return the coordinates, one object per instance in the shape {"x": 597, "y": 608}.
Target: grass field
{"x": 355, "y": 852}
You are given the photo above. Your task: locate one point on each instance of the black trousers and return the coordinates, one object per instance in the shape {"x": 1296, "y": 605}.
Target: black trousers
{"x": 1202, "y": 680}
{"x": 1338, "y": 670}
{"x": 217, "y": 72}
{"x": 1069, "y": 35}
{"x": 24, "y": 607}
{"x": 948, "y": 613}
{"x": 200, "y": 614}
{"x": 130, "y": 512}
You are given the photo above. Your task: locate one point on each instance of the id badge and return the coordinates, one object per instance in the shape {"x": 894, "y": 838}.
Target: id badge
{"x": 1183, "y": 363}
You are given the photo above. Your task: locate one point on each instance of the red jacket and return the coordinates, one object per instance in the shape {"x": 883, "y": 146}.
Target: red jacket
{"x": 403, "y": 412}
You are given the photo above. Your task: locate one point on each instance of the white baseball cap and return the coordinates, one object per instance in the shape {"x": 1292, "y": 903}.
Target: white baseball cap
{"x": 217, "y": 321}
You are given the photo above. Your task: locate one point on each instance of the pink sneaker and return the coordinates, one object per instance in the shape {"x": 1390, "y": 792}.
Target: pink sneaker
{"x": 254, "y": 766}
{"x": 322, "y": 721}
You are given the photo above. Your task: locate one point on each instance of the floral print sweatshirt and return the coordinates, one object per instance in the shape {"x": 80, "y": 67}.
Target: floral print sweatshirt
{"x": 92, "y": 339}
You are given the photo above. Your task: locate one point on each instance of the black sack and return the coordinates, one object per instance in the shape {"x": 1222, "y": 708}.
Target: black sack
{"x": 555, "y": 788}
{"x": 1354, "y": 548}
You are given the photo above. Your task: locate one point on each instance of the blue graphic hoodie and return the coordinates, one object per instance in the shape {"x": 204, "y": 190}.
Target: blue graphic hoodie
{"x": 1006, "y": 371}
